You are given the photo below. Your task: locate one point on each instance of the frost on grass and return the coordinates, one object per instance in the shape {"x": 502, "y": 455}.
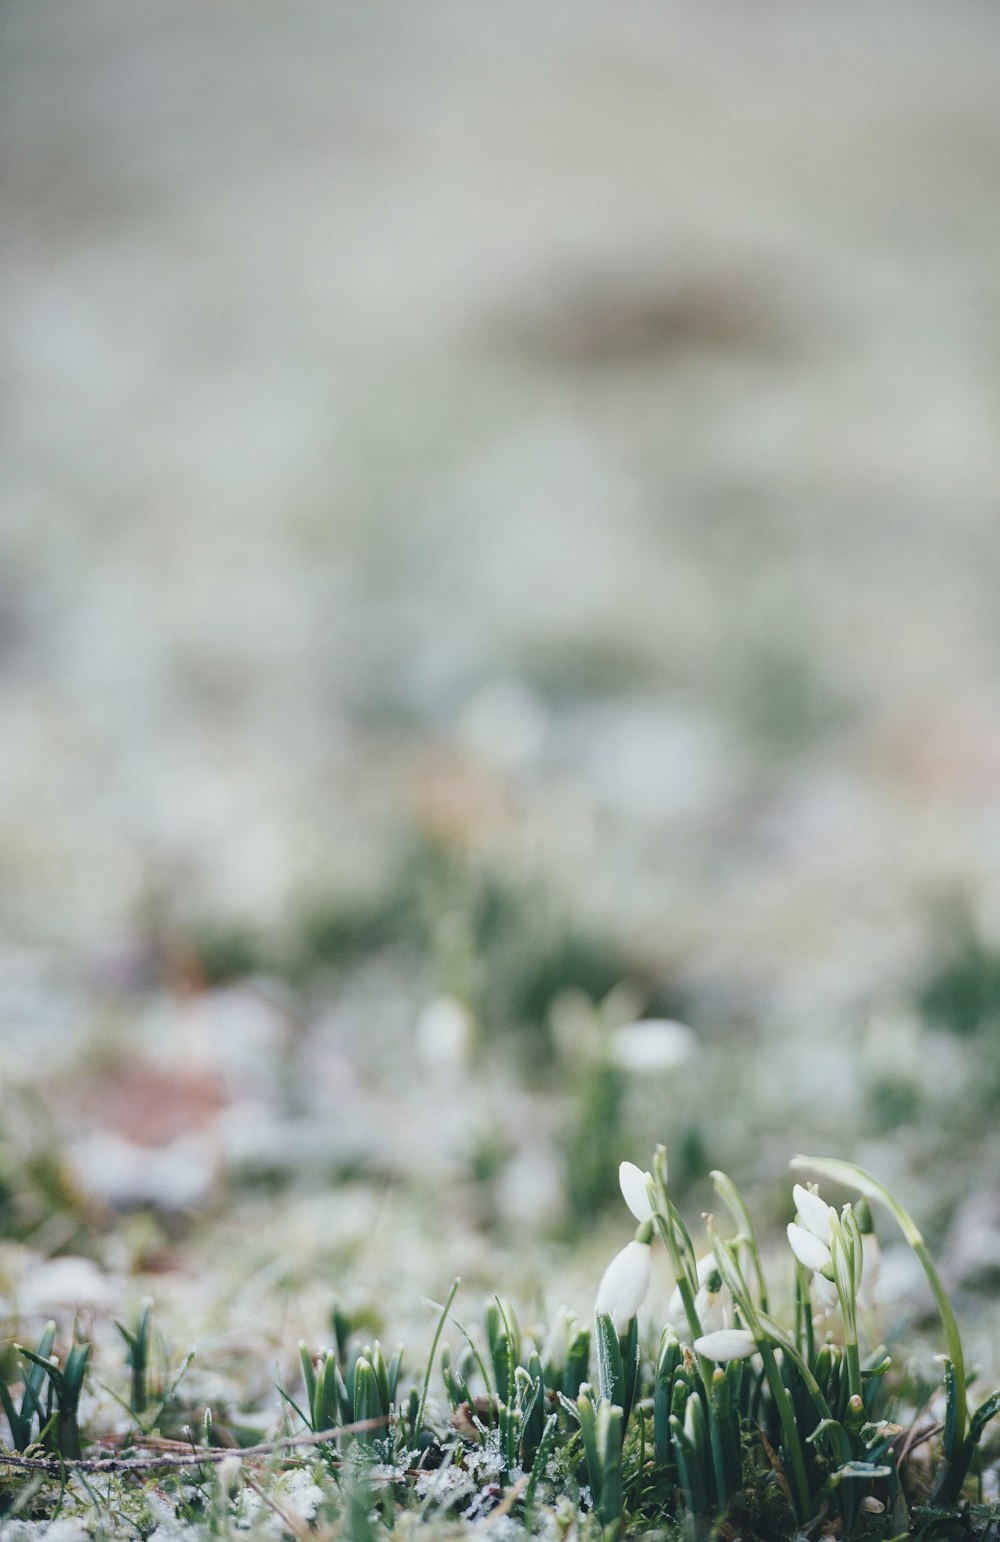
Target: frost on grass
{"x": 62, "y": 1529}
{"x": 579, "y": 1429}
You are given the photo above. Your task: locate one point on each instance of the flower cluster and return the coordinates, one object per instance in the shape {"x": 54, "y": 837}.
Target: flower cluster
{"x": 838, "y": 1254}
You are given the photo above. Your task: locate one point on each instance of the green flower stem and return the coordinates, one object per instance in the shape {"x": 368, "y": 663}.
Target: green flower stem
{"x": 853, "y": 1364}
{"x": 665, "y": 1226}
{"x": 670, "y": 1226}
{"x": 736, "y": 1205}
{"x": 803, "y": 1307}
{"x": 812, "y": 1386}
{"x": 845, "y": 1241}
{"x": 740, "y": 1292}
{"x": 857, "y": 1178}
{"x": 789, "y": 1429}
{"x": 419, "y": 1420}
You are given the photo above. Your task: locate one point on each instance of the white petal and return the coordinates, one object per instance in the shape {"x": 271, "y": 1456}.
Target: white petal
{"x": 814, "y": 1213}
{"x": 807, "y": 1248}
{"x": 712, "y": 1308}
{"x": 624, "y": 1284}
{"x": 727, "y": 1344}
{"x": 675, "y": 1307}
{"x": 633, "y": 1181}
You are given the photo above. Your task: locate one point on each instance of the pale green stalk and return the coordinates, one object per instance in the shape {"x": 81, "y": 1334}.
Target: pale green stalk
{"x": 419, "y": 1420}
{"x": 845, "y": 1279}
{"x": 736, "y": 1205}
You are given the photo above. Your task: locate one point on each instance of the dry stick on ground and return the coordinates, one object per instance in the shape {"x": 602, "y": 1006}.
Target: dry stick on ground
{"x": 296, "y": 1525}
{"x": 179, "y": 1455}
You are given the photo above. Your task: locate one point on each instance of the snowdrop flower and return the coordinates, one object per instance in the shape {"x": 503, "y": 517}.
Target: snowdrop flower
{"x": 726, "y": 1344}
{"x": 675, "y": 1306}
{"x": 713, "y": 1306}
{"x": 814, "y": 1212}
{"x": 624, "y": 1284}
{"x": 810, "y": 1240}
{"x": 635, "y": 1192}
{"x": 808, "y": 1249}
{"x": 655, "y": 1044}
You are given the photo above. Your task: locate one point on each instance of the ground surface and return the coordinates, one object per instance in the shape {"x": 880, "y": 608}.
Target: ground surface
{"x": 495, "y": 507}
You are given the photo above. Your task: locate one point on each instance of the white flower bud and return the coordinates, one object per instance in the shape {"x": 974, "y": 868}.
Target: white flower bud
{"x": 727, "y": 1344}
{"x": 807, "y": 1247}
{"x": 624, "y": 1284}
{"x": 634, "y": 1186}
{"x": 814, "y": 1213}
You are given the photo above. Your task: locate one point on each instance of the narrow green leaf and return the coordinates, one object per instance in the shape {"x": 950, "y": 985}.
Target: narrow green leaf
{"x": 610, "y": 1370}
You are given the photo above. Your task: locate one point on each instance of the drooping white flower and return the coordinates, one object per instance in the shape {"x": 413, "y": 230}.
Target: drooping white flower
{"x": 814, "y": 1213}
{"x": 654, "y": 1044}
{"x": 624, "y": 1284}
{"x": 635, "y": 1192}
{"x": 726, "y": 1344}
{"x": 808, "y": 1248}
{"x": 810, "y": 1234}
{"x": 675, "y": 1306}
{"x": 713, "y": 1308}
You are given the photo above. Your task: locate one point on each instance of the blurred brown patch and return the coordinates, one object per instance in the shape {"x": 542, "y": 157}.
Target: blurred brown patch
{"x": 615, "y": 320}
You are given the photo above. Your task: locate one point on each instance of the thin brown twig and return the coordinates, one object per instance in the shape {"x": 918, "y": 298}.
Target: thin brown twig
{"x": 298, "y": 1527}
{"x": 179, "y": 1455}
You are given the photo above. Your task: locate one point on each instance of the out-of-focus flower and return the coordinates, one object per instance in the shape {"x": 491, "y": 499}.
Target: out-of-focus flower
{"x": 445, "y": 1034}
{"x": 635, "y": 1191}
{"x": 726, "y": 1344}
{"x": 657, "y": 1044}
{"x": 624, "y": 1284}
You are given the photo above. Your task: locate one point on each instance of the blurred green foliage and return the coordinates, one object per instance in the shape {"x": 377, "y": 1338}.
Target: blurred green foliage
{"x": 962, "y": 992}
{"x": 593, "y": 1130}
{"x": 505, "y": 946}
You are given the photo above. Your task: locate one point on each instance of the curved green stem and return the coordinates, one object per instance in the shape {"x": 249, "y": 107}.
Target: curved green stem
{"x": 857, "y": 1178}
